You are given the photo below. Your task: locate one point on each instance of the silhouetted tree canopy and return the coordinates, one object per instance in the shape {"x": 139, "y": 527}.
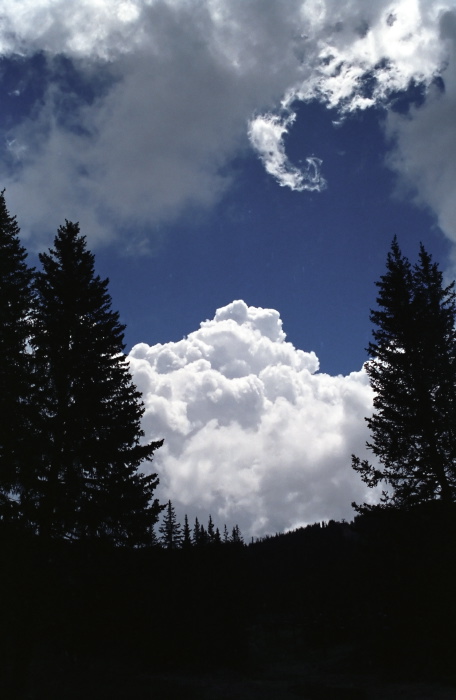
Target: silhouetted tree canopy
{"x": 16, "y": 396}
{"x": 236, "y": 535}
{"x": 412, "y": 371}
{"x": 170, "y": 530}
{"x": 186, "y": 534}
{"x": 88, "y": 484}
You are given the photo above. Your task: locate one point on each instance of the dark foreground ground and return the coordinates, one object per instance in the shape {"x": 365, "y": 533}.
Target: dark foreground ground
{"x": 280, "y": 681}
{"x": 361, "y": 611}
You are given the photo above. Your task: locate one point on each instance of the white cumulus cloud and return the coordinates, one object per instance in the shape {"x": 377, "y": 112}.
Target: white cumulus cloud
{"x": 254, "y": 434}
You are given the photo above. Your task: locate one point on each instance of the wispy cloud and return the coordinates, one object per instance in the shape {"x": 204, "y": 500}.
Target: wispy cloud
{"x": 266, "y": 134}
{"x": 253, "y": 433}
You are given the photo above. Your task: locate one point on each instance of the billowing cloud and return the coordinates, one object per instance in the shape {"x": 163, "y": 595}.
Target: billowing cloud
{"x": 424, "y": 155}
{"x": 177, "y": 83}
{"x": 158, "y": 96}
{"x": 254, "y": 434}
{"x": 363, "y": 55}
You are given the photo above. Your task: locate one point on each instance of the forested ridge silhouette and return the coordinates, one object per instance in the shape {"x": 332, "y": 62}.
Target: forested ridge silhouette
{"x": 374, "y": 596}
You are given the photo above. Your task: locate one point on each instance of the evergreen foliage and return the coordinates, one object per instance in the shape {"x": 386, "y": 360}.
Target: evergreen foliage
{"x": 186, "y": 534}
{"x": 195, "y": 533}
{"x": 236, "y": 535}
{"x": 217, "y": 536}
{"x": 88, "y": 485}
{"x": 16, "y": 397}
{"x": 412, "y": 371}
{"x": 210, "y": 530}
{"x": 203, "y": 536}
{"x": 170, "y": 530}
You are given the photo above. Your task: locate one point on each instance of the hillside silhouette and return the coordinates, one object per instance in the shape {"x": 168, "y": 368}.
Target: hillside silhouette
{"x": 372, "y": 598}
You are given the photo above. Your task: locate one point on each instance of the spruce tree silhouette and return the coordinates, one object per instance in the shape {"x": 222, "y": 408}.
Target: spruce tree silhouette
{"x": 186, "y": 535}
{"x": 196, "y": 536}
{"x": 170, "y": 529}
{"x": 412, "y": 371}
{"x": 16, "y": 398}
{"x": 90, "y": 447}
{"x": 236, "y": 535}
{"x": 210, "y": 531}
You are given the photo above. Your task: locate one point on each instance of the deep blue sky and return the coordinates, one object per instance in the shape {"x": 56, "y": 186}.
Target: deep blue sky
{"x": 314, "y": 257}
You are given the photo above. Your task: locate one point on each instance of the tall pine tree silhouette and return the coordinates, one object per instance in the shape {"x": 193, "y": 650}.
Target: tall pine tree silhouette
{"x": 413, "y": 373}
{"x": 16, "y": 403}
{"x": 170, "y": 530}
{"x": 90, "y": 447}
{"x": 186, "y": 535}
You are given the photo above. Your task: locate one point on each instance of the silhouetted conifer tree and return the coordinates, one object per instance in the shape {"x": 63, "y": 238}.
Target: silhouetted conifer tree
{"x": 170, "y": 529}
{"x": 91, "y": 447}
{"x": 16, "y": 399}
{"x": 186, "y": 535}
{"x": 236, "y": 535}
{"x": 210, "y": 530}
{"x": 412, "y": 371}
{"x": 200, "y": 536}
{"x": 226, "y": 535}
{"x": 196, "y": 532}
{"x": 203, "y": 536}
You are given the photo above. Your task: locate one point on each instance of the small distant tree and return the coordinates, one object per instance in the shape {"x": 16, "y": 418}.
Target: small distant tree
{"x": 412, "y": 371}
{"x": 186, "y": 535}
{"x": 203, "y": 538}
{"x": 170, "y": 530}
{"x": 210, "y": 530}
{"x": 236, "y": 535}
{"x": 226, "y": 535}
{"x": 196, "y": 533}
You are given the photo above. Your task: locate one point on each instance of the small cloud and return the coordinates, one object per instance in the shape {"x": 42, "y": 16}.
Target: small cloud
{"x": 266, "y": 135}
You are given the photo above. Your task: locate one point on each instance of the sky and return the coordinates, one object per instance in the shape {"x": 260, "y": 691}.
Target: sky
{"x": 239, "y": 169}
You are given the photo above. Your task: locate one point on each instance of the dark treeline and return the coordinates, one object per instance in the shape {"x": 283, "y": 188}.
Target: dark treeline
{"x": 370, "y": 598}
{"x": 172, "y": 535}
{"x": 104, "y": 594}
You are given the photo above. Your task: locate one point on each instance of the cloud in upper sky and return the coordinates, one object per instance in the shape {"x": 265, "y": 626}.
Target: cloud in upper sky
{"x": 266, "y": 135}
{"x": 425, "y": 140}
{"x": 254, "y": 434}
{"x": 158, "y": 96}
